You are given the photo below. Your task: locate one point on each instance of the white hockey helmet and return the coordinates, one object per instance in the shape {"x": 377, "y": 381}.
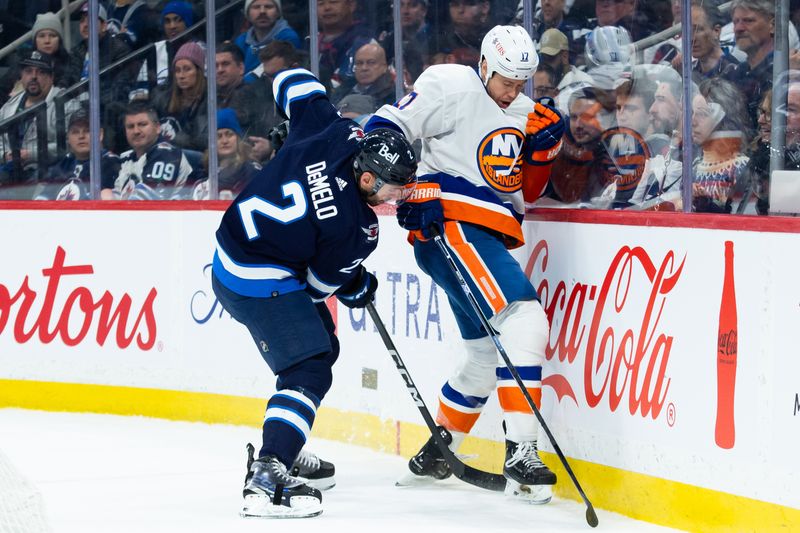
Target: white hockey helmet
{"x": 609, "y": 44}
{"x": 509, "y": 51}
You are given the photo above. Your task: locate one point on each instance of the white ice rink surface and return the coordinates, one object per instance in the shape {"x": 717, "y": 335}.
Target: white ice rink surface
{"x": 114, "y": 474}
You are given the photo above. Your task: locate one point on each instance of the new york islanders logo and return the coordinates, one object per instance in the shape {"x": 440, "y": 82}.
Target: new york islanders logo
{"x": 499, "y": 158}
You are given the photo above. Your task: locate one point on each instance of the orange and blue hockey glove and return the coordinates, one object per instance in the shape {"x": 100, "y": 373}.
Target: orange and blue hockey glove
{"x": 422, "y": 209}
{"x": 543, "y": 133}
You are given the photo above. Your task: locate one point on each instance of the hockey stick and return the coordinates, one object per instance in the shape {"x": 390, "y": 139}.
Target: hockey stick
{"x": 473, "y": 476}
{"x": 591, "y": 516}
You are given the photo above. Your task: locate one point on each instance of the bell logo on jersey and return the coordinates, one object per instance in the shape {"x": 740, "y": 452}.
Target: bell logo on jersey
{"x": 499, "y": 159}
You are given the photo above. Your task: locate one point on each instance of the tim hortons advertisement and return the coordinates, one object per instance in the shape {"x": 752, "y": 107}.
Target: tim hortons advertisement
{"x": 671, "y": 350}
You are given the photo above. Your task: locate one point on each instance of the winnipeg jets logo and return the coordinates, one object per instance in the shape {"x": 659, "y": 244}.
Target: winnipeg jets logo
{"x": 356, "y": 133}
{"x": 372, "y": 232}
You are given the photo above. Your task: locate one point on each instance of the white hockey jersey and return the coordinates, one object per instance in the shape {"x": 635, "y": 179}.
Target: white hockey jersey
{"x": 470, "y": 146}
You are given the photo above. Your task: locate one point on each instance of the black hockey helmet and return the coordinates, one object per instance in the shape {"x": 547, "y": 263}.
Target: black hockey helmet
{"x": 389, "y": 156}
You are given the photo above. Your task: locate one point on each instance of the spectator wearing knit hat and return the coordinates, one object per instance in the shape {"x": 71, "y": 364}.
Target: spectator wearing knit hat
{"x": 175, "y": 18}
{"x": 48, "y": 37}
{"x": 236, "y": 168}
{"x": 185, "y": 99}
{"x": 266, "y": 25}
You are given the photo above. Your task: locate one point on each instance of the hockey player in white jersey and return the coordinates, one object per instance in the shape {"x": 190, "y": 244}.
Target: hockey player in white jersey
{"x": 486, "y": 152}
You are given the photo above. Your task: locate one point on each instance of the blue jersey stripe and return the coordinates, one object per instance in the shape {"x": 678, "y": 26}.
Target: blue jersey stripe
{"x": 259, "y": 288}
{"x": 460, "y": 399}
{"x": 527, "y": 373}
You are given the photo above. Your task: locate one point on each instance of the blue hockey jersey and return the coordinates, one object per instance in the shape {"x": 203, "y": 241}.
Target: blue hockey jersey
{"x": 301, "y": 223}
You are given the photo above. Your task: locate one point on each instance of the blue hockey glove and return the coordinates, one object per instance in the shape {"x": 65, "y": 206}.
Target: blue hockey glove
{"x": 543, "y": 133}
{"x": 360, "y": 291}
{"x": 422, "y": 210}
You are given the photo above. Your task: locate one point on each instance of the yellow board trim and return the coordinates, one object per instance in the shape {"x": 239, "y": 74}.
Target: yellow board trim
{"x": 660, "y": 501}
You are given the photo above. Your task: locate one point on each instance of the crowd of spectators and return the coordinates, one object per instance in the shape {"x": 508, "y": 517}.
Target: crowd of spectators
{"x": 622, "y": 148}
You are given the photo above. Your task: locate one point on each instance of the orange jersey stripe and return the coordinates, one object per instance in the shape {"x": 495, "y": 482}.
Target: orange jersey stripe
{"x": 512, "y": 399}
{"x": 455, "y": 420}
{"x": 475, "y": 214}
{"x": 477, "y": 270}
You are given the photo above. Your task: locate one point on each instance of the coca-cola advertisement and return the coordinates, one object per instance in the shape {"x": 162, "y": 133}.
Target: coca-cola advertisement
{"x": 671, "y": 352}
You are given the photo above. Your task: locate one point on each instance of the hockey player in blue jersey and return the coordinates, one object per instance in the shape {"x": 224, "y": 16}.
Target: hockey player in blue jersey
{"x": 297, "y": 234}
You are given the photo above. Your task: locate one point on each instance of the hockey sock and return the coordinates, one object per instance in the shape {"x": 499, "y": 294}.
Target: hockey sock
{"x": 525, "y": 331}
{"x": 462, "y": 398}
{"x": 287, "y": 424}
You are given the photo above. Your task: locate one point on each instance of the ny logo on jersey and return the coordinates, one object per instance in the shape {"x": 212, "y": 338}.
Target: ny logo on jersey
{"x": 499, "y": 159}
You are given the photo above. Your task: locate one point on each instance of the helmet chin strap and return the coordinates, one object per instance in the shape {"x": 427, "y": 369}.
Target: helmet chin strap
{"x": 377, "y": 186}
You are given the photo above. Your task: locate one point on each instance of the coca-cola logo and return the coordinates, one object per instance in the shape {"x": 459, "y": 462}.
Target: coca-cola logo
{"x": 79, "y": 312}
{"x": 727, "y": 344}
{"x": 618, "y": 362}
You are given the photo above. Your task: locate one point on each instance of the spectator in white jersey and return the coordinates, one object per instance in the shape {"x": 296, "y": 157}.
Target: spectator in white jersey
{"x": 151, "y": 169}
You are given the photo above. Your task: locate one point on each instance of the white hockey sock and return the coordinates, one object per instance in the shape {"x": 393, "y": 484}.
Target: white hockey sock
{"x": 521, "y": 427}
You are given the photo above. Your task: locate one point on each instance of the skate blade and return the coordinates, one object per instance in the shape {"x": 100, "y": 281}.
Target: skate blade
{"x": 261, "y": 506}
{"x": 535, "y": 494}
{"x": 409, "y": 479}
{"x": 324, "y": 483}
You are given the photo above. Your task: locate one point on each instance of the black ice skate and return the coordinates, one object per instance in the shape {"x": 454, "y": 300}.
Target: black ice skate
{"x": 270, "y": 492}
{"x": 317, "y": 472}
{"x": 428, "y": 465}
{"x": 528, "y": 477}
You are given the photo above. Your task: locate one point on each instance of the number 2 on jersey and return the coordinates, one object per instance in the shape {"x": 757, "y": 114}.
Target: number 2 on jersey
{"x": 285, "y": 215}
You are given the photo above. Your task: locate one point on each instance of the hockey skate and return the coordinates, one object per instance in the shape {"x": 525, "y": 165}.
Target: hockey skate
{"x": 528, "y": 477}
{"x": 271, "y": 492}
{"x": 427, "y": 466}
{"x": 317, "y": 472}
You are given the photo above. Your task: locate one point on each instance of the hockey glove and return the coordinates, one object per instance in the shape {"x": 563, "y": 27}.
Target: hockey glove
{"x": 360, "y": 291}
{"x": 422, "y": 209}
{"x": 277, "y": 135}
{"x": 543, "y": 133}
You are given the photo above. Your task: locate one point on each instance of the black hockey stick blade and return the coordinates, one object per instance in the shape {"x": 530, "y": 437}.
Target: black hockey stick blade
{"x": 464, "y": 472}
